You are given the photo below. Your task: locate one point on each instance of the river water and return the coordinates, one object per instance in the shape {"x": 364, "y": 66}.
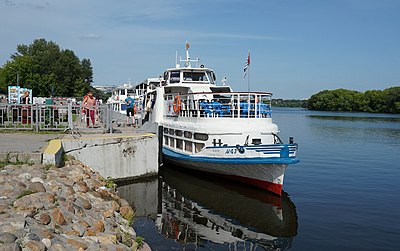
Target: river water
{"x": 343, "y": 195}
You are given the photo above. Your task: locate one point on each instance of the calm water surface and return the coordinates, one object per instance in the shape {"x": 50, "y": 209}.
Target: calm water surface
{"x": 343, "y": 195}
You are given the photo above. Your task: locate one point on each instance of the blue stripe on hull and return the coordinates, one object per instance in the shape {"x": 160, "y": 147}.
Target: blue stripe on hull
{"x": 237, "y": 160}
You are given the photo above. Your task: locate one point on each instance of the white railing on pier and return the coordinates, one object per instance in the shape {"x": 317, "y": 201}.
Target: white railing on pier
{"x": 51, "y": 117}
{"x": 219, "y": 105}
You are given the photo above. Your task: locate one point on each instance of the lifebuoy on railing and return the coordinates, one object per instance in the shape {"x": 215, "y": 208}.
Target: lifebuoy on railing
{"x": 177, "y": 104}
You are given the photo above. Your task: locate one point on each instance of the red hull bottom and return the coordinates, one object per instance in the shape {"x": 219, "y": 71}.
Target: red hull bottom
{"x": 265, "y": 185}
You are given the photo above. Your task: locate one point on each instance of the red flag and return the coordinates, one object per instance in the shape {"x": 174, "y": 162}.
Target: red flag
{"x": 246, "y": 66}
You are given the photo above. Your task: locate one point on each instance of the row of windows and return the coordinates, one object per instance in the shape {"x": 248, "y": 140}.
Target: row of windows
{"x": 184, "y": 145}
{"x": 186, "y": 134}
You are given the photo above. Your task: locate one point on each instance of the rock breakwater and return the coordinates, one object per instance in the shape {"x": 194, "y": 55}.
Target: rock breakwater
{"x": 68, "y": 208}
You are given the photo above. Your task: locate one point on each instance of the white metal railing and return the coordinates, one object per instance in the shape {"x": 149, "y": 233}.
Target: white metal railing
{"x": 47, "y": 117}
{"x": 219, "y": 105}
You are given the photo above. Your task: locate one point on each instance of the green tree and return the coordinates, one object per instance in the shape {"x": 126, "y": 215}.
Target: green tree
{"x": 376, "y": 102}
{"x": 392, "y": 99}
{"x": 386, "y": 101}
{"x": 47, "y": 70}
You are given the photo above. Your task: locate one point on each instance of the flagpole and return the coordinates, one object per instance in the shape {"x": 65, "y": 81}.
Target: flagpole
{"x": 248, "y": 77}
{"x": 248, "y": 85}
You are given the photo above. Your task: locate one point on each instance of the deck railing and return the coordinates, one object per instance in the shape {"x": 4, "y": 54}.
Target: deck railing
{"x": 219, "y": 105}
{"x": 45, "y": 117}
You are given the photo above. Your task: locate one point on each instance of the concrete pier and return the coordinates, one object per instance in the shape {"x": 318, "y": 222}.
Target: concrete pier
{"x": 120, "y": 157}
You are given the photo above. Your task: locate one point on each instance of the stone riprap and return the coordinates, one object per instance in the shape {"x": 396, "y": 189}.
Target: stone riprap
{"x": 68, "y": 208}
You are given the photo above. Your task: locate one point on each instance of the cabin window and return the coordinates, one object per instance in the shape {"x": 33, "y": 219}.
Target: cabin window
{"x": 211, "y": 77}
{"x": 165, "y": 130}
{"x": 188, "y": 134}
{"x": 171, "y": 142}
{"x": 178, "y": 133}
{"x": 198, "y": 147}
{"x": 174, "y": 77}
{"x": 179, "y": 144}
{"x": 256, "y": 141}
{"x": 188, "y": 146}
{"x": 171, "y": 131}
{"x": 194, "y": 76}
{"x": 201, "y": 136}
{"x": 166, "y": 140}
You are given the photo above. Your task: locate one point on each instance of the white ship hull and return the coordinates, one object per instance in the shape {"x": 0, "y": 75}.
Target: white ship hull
{"x": 262, "y": 172}
{"x": 210, "y": 128}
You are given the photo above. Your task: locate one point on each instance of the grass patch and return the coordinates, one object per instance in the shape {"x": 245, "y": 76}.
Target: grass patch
{"x": 109, "y": 183}
{"x": 8, "y": 161}
{"x": 47, "y": 167}
{"x": 140, "y": 241}
{"x": 130, "y": 218}
{"x": 33, "y": 131}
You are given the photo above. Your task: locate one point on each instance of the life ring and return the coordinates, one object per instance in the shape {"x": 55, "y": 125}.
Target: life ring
{"x": 177, "y": 104}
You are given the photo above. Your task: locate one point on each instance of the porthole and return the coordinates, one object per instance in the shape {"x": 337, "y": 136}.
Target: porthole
{"x": 188, "y": 134}
{"x": 201, "y": 136}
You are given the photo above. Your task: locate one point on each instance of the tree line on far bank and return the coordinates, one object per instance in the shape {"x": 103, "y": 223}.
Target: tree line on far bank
{"x": 375, "y": 101}
{"x": 289, "y": 103}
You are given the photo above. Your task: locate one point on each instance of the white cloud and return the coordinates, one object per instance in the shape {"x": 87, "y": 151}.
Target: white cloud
{"x": 90, "y": 37}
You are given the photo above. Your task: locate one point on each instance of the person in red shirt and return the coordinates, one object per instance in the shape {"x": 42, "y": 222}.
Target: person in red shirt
{"x": 89, "y": 102}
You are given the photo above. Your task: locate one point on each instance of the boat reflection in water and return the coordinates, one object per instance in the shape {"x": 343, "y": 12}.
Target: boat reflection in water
{"x": 199, "y": 210}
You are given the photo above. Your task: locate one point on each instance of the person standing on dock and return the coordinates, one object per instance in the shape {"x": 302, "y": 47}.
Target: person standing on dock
{"x": 130, "y": 109}
{"x": 89, "y": 102}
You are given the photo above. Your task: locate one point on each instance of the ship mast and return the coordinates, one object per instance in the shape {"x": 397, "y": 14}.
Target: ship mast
{"x": 188, "y": 60}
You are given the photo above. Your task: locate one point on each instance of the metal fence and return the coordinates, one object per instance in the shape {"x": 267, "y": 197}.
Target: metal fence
{"x": 69, "y": 117}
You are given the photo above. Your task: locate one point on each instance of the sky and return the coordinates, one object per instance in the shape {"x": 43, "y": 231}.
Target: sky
{"x": 297, "y": 47}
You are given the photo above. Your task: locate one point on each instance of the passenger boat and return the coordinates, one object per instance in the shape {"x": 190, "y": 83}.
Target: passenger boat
{"x": 118, "y": 96}
{"x": 211, "y": 128}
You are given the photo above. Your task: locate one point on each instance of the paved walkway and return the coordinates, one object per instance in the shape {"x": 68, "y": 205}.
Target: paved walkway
{"x": 25, "y": 142}
{"x": 28, "y": 142}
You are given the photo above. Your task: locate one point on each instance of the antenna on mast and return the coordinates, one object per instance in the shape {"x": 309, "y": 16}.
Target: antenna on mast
{"x": 176, "y": 59}
{"x": 187, "y": 61}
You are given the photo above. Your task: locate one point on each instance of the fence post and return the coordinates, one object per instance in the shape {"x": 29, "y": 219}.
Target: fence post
{"x": 70, "y": 124}
{"x": 109, "y": 120}
{"x": 37, "y": 117}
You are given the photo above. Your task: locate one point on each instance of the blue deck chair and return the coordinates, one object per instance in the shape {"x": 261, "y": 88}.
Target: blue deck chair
{"x": 206, "y": 107}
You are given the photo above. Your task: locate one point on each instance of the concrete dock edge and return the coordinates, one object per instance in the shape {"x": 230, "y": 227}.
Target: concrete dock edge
{"x": 121, "y": 157}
